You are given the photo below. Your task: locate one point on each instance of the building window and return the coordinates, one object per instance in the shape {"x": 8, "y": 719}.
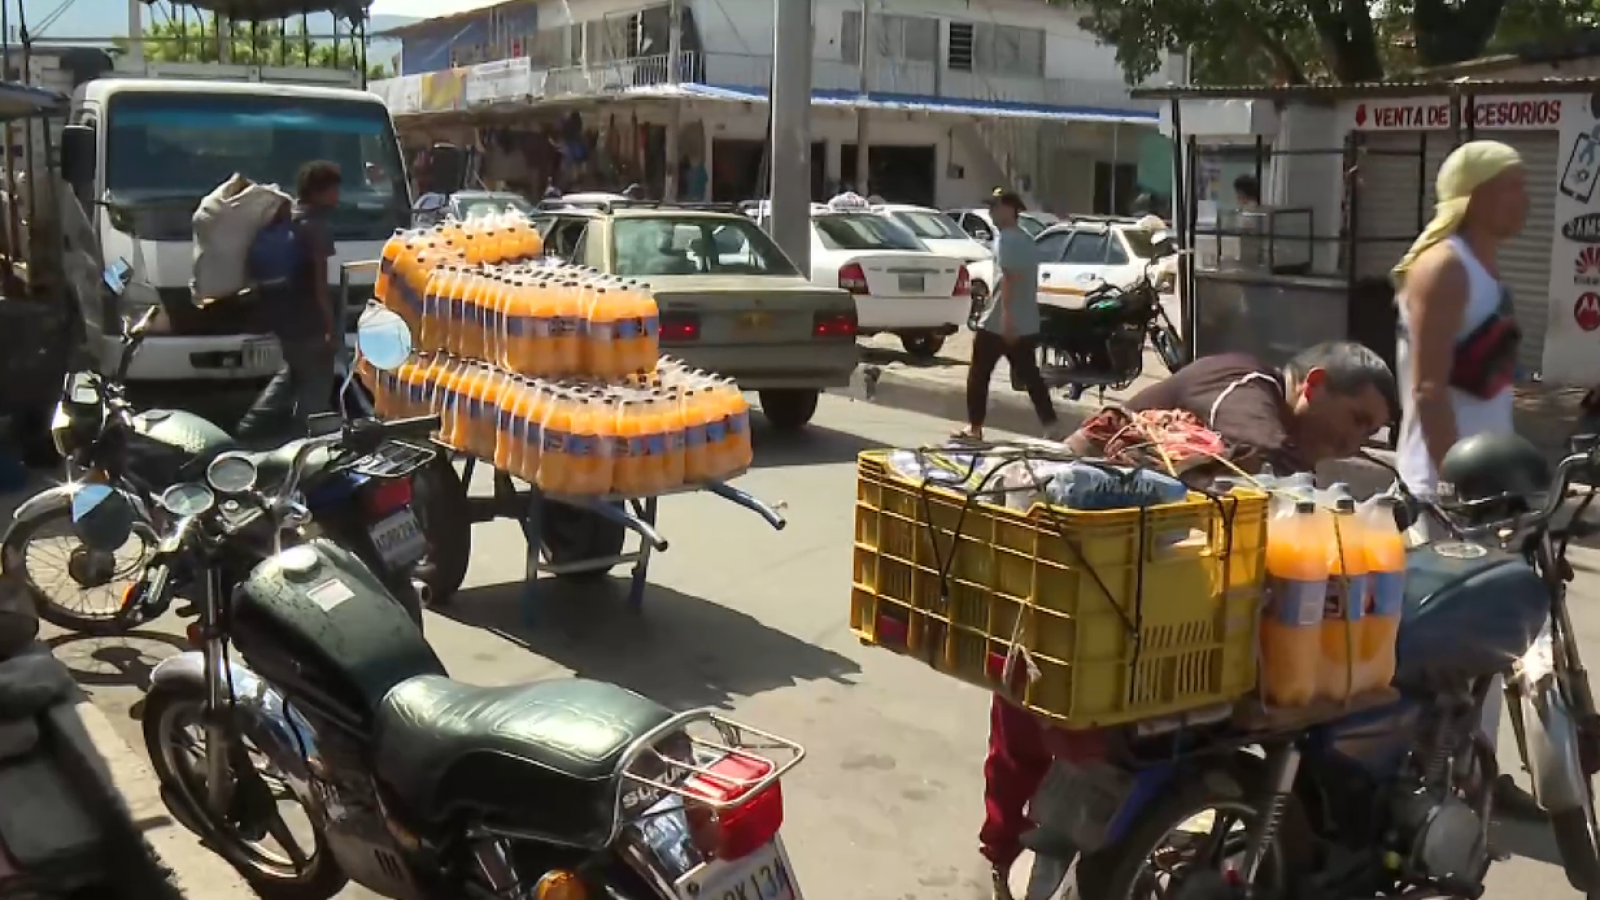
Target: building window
{"x": 996, "y": 49}
{"x": 548, "y": 48}
{"x": 904, "y": 38}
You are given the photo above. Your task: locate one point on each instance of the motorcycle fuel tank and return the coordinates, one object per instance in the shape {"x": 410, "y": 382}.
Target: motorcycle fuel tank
{"x": 1470, "y": 611}
{"x": 165, "y": 442}
{"x": 315, "y": 621}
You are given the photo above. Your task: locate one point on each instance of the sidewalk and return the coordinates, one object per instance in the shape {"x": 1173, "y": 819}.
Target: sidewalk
{"x": 890, "y": 377}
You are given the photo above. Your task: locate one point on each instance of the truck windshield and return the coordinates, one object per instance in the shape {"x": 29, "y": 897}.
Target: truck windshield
{"x": 178, "y": 147}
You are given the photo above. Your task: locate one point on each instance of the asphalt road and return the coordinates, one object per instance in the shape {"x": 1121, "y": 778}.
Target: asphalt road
{"x": 742, "y": 617}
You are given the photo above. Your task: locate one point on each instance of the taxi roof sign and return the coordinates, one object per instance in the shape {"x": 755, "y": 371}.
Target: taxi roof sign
{"x": 848, "y": 202}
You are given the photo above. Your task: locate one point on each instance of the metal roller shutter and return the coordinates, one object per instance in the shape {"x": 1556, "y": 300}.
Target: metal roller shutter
{"x": 1387, "y": 208}
{"x": 1525, "y": 259}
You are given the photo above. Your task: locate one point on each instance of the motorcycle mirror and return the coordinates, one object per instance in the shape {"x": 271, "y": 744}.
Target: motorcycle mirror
{"x": 383, "y": 338}
{"x": 102, "y": 517}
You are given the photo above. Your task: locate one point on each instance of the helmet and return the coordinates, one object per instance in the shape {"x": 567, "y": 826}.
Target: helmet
{"x": 1492, "y": 477}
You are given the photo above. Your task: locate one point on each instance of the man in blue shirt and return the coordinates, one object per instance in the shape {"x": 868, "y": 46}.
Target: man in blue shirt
{"x": 1010, "y": 326}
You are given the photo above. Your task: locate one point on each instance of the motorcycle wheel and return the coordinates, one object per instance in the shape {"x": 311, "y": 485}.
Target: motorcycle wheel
{"x": 1125, "y": 870}
{"x": 439, "y": 499}
{"x": 168, "y": 709}
{"x": 78, "y": 561}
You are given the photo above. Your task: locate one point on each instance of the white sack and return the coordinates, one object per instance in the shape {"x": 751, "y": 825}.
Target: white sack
{"x": 224, "y": 227}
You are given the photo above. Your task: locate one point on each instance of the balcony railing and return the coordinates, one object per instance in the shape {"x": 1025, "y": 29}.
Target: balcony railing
{"x": 498, "y": 81}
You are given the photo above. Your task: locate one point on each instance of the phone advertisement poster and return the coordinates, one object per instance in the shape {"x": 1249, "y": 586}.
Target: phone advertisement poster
{"x": 1572, "y": 337}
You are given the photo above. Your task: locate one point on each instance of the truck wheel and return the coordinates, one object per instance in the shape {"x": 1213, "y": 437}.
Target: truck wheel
{"x": 788, "y": 409}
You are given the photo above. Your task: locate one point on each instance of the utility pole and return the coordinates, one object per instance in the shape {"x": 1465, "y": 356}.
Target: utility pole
{"x": 675, "y": 116}
{"x": 791, "y": 130}
{"x": 136, "y": 34}
{"x": 865, "y": 70}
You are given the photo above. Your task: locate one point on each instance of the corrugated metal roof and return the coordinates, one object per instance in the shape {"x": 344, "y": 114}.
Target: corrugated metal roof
{"x": 1333, "y": 92}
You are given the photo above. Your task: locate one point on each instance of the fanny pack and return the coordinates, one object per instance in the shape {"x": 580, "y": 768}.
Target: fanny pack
{"x": 1485, "y": 360}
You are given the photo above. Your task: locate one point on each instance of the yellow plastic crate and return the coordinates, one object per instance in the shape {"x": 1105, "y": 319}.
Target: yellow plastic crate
{"x": 954, "y": 582}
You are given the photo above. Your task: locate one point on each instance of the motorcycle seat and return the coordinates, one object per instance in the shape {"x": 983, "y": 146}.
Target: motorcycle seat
{"x": 540, "y": 757}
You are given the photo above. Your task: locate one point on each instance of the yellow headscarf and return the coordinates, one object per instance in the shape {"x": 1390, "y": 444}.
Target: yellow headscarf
{"x": 1466, "y": 169}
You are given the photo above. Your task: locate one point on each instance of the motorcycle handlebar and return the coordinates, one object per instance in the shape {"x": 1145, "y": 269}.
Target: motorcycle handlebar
{"x": 1554, "y": 498}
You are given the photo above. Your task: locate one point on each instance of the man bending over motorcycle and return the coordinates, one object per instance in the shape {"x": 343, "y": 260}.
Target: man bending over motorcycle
{"x": 1324, "y": 405}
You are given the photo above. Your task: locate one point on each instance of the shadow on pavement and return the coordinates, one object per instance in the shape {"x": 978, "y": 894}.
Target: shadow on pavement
{"x": 680, "y": 651}
{"x": 815, "y": 445}
{"x": 124, "y": 660}
{"x": 886, "y": 356}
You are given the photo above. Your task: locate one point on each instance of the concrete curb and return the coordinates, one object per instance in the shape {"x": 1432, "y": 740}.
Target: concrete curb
{"x": 196, "y": 871}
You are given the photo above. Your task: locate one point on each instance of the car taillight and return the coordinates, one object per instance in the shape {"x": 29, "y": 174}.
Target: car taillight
{"x": 385, "y": 496}
{"x": 830, "y": 325}
{"x": 680, "y": 327}
{"x": 735, "y": 832}
{"x": 853, "y": 278}
{"x": 963, "y": 283}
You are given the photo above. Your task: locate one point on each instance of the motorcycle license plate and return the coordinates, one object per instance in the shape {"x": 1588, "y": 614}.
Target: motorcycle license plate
{"x": 398, "y": 538}
{"x": 763, "y": 875}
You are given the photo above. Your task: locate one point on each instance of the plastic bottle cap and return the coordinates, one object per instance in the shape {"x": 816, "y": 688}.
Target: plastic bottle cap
{"x": 1345, "y": 505}
{"x": 1305, "y": 506}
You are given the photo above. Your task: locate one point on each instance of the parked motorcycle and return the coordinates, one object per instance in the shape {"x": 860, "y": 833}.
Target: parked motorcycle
{"x": 417, "y": 786}
{"x": 1101, "y": 345}
{"x": 363, "y": 504}
{"x": 1391, "y": 799}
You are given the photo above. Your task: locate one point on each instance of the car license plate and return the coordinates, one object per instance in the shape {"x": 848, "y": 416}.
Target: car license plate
{"x": 912, "y": 284}
{"x": 763, "y": 875}
{"x": 399, "y": 539}
{"x": 260, "y": 355}
{"x": 755, "y": 321}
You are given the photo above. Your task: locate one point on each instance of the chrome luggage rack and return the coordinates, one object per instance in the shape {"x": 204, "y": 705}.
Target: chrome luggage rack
{"x": 734, "y": 739}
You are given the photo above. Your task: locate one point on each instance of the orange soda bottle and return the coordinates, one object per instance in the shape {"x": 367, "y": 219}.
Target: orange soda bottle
{"x": 566, "y": 337}
{"x": 383, "y": 287}
{"x": 1385, "y": 547}
{"x": 1297, "y": 569}
{"x": 696, "y": 420}
{"x": 555, "y": 428}
{"x": 600, "y": 347}
{"x": 505, "y": 422}
{"x": 673, "y": 464}
{"x": 628, "y": 453}
{"x": 737, "y": 451}
{"x": 1339, "y": 678}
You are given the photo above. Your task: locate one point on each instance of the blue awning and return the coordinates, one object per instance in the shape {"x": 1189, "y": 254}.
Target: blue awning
{"x": 937, "y": 105}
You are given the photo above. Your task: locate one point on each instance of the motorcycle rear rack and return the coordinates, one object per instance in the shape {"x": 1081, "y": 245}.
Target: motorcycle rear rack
{"x": 394, "y": 459}
{"x": 736, "y": 739}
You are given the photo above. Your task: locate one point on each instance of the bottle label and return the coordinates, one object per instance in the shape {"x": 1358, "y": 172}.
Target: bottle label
{"x": 651, "y": 325}
{"x": 1298, "y": 603}
{"x": 515, "y": 326}
{"x": 694, "y": 437}
{"x": 655, "y": 444}
{"x": 601, "y": 331}
{"x": 584, "y": 445}
{"x": 474, "y": 407}
{"x": 1342, "y": 590}
{"x": 675, "y": 441}
{"x": 716, "y": 431}
{"x": 540, "y": 327}
{"x": 1388, "y": 593}
{"x": 638, "y": 447}
{"x": 563, "y": 326}
{"x": 628, "y": 329}
{"x": 554, "y": 441}
{"x": 738, "y": 423}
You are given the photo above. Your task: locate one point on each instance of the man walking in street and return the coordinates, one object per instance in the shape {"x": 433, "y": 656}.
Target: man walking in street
{"x": 302, "y": 315}
{"x": 1010, "y": 326}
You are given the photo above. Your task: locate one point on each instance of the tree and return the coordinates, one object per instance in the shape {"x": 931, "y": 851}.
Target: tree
{"x": 264, "y": 44}
{"x": 1290, "y": 42}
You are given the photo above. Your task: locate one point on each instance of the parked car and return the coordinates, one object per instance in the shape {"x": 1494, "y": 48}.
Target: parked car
{"x": 1080, "y": 253}
{"x": 980, "y": 225}
{"x": 944, "y": 237}
{"x": 431, "y": 209}
{"x": 901, "y": 286}
{"x": 731, "y": 302}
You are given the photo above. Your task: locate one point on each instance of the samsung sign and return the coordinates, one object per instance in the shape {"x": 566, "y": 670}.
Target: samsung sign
{"x": 1584, "y": 229}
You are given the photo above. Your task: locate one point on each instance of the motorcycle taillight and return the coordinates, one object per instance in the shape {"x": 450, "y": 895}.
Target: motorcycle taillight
{"x": 383, "y": 496}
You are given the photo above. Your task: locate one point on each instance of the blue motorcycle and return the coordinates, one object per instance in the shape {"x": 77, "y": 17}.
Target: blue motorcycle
{"x": 1390, "y": 797}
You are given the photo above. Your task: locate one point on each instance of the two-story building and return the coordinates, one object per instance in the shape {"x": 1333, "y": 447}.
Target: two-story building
{"x": 958, "y": 96}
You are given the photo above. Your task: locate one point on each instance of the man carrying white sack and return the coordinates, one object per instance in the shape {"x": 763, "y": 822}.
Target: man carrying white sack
{"x": 1457, "y": 349}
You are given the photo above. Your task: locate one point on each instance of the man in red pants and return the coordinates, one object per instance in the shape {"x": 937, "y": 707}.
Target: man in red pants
{"x": 1325, "y": 404}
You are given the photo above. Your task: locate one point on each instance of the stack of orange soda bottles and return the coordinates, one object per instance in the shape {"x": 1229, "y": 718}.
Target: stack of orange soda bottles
{"x": 552, "y": 372}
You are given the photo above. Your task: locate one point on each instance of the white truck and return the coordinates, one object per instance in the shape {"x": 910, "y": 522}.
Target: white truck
{"x": 140, "y": 149}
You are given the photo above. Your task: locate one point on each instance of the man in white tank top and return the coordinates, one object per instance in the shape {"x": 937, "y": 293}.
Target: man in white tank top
{"x": 1449, "y": 293}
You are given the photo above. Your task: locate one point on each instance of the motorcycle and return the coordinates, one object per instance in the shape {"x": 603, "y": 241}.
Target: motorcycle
{"x": 365, "y": 505}
{"x": 1101, "y": 345}
{"x": 417, "y": 786}
{"x": 1390, "y": 798}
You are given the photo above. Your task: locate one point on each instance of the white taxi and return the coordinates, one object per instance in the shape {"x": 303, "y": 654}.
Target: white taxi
{"x": 1079, "y": 253}
{"x": 901, "y": 285}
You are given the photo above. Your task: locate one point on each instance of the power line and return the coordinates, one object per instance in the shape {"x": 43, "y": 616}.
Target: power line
{"x": 53, "y": 16}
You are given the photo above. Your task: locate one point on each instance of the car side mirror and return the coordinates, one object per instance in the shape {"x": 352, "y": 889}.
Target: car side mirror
{"x": 982, "y": 236}
{"x": 78, "y": 155}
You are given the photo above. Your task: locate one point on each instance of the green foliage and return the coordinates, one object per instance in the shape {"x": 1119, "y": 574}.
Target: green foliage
{"x": 264, "y": 44}
{"x": 1287, "y": 42}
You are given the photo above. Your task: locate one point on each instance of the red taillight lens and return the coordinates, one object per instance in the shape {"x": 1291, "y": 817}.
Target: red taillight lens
{"x": 386, "y": 496}
{"x": 963, "y": 283}
{"x": 833, "y": 325}
{"x": 853, "y": 278}
{"x": 738, "y": 832}
{"x": 680, "y": 327}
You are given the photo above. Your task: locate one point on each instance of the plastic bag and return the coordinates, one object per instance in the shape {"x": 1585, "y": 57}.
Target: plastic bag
{"x": 225, "y": 224}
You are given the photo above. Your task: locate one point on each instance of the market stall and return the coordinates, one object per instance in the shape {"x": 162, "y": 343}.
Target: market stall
{"x": 1346, "y": 176}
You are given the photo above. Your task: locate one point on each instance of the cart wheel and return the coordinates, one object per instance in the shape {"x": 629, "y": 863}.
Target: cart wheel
{"x": 573, "y": 535}
{"x": 439, "y": 498}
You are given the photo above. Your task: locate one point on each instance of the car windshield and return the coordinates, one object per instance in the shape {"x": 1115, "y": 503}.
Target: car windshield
{"x": 695, "y": 246}
{"x": 175, "y": 148}
{"x": 1031, "y": 225}
{"x": 864, "y": 231}
{"x": 481, "y": 205}
{"x": 929, "y": 225}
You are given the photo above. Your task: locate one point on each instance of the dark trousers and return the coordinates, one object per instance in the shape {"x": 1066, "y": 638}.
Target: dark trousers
{"x": 302, "y": 388}
{"x": 987, "y": 350}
